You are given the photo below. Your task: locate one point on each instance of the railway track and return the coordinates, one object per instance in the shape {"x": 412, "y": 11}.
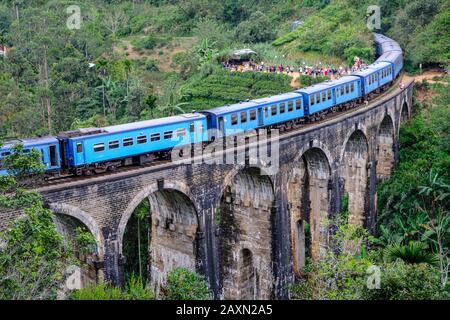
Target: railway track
{"x": 53, "y": 182}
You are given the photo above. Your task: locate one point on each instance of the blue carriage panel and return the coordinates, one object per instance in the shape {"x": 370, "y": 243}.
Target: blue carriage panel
{"x": 394, "y": 57}
{"x": 317, "y": 98}
{"x": 345, "y": 89}
{"x": 384, "y": 72}
{"x": 369, "y": 79}
{"x": 281, "y": 108}
{"x": 122, "y": 141}
{"x": 48, "y": 147}
{"x": 225, "y": 120}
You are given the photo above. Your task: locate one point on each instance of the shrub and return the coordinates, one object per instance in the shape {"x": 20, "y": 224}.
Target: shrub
{"x": 134, "y": 290}
{"x": 148, "y": 42}
{"x": 403, "y": 281}
{"x": 183, "y": 284}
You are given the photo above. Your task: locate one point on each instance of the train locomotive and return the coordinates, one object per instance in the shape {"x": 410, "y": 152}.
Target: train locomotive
{"x": 96, "y": 150}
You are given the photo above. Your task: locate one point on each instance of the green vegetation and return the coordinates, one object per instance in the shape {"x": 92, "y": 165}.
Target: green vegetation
{"x": 33, "y": 255}
{"x": 220, "y": 88}
{"x": 135, "y": 243}
{"x": 349, "y": 268}
{"x": 134, "y": 290}
{"x": 338, "y": 30}
{"x": 135, "y": 60}
{"x": 183, "y": 284}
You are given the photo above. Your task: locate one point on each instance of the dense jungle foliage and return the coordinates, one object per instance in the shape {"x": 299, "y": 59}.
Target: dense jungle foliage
{"x": 143, "y": 59}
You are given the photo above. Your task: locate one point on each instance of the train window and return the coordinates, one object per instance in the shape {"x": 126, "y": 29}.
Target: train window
{"x": 370, "y": 81}
{"x": 155, "y": 137}
{"x": 311, "y": 100}
{"x": 26, "y": 151}
{"x": 127, "y": 142}
{"x": 4, "y": 154}
{"x": 290, "y": 106}
{"x": 352, "y": 87}
{"x": 113, "y": 144}
{"x": 252, "y": 115}
{"x": 266, "y": 111}
{"x": 273, "y": 110}
{"x": 79, "y": 148}
{"x": 141, "y": 139}
{"x": 329, "y": 94}
{"x": 375, "y": 77}
{"x": 168, "y": 134}
{"x": 192, "y": 127}
{"x": 181, "y": 132}
{"x": 200, "y": 128}
{"x": 324, "y": 96}
{"x": 282, "y": 108}
{"x": 54, "y": 156}
{"x": 99, "y": 147}
{"x": 318, "y": 98}
{"x": 298, "y": 104}
{"x": 243, "y": 116}
{"x": 342, "y": 90}
{"x": 234, "y": 119}
{"x": 347, "y": 87}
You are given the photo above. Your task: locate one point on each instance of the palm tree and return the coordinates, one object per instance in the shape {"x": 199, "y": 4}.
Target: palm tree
{"x": 414, "y": 252}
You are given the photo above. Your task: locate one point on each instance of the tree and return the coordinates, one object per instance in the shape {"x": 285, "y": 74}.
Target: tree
{"x": 256, "y": 29}
{"x": 33, "y": 254}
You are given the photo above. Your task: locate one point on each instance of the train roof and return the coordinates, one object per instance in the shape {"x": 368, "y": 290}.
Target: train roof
{"x": 327, "y": 84}
{"x": 379, "y": 38}
{"x": 154, "y": 122}
{"x": 83, "y": 132}
{"x": 30, "y": 142}
{"x": 277, "y": 98}
{"x": 389, "y": 56}
{"x": 231, "y": 108}
{"x": 372, "y": 68}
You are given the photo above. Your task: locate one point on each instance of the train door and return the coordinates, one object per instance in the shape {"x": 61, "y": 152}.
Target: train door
{"x": 260, "y": 117}
{"x": 79, "y": 153}
{"x": 221, "y": 128}
{"x": 53, "y": 155}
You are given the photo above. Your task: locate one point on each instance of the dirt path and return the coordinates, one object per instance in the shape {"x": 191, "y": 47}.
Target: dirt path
{"x": 162, "y": 55}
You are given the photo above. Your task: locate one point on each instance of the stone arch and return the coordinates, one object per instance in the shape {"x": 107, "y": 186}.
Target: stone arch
{"x": 355, "y": 173}
{"x": 245, "y": 214}
{"x": 174, "y": 226}
{"x": 308, "y": 203}
{"x": 385, "y": 148}
{"x": 67, "y": 219}
{"x": 141, "y": 196}
{"x": 85, "y": 219}
{"x": 404, "y": 114}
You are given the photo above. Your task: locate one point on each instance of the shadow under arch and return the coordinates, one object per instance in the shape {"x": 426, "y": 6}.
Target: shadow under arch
{"x": 245, "y": 221}
{"x": 385, "y": 148}
{"x": 355, "y": 160}
{"x": 404, "y": 115}
{"x": 308, "y": 204}
{"x": 172, "y": 231}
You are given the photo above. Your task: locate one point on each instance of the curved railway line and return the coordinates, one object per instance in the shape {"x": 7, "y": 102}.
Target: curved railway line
{"x": 137, "y": 169}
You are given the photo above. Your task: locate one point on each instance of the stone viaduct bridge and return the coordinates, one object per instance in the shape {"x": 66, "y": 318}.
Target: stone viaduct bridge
{"x": 242, "y": 229}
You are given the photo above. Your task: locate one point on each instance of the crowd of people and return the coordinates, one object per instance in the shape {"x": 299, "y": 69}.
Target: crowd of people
{"x": 304, "y": 69}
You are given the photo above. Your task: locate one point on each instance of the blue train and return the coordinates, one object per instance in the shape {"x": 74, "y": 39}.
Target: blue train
{"x": 96, "y": 150}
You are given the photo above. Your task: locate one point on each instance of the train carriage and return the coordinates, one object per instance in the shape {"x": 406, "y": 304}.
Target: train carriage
{"x": 395, "y": 58}
{"x": 98, "y": 146}
{"x": 258, "y": 113}
{"x": 325, "y": 95}
{"x": 48, "y": 147}
{"x": 375, "y": 76}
